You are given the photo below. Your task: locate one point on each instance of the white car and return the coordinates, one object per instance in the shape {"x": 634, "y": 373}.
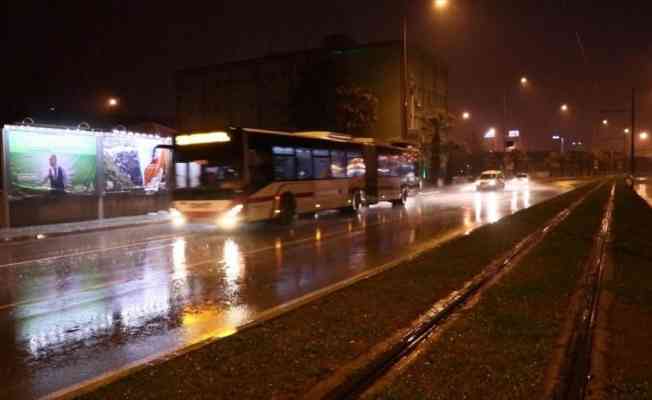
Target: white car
{"x": 521, "y": 180}
{"x": 490, "y": 180}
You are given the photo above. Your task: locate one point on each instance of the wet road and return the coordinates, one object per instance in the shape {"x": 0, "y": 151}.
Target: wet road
{"x": 75, "y": 307}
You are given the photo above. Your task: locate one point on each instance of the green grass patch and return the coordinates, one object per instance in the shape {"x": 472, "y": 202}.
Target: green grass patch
{"x": 285, "y": 357}
{"x": 501, "y": 348}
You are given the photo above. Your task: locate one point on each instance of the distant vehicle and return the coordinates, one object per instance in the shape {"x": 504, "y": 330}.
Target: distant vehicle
{"x": 490, "y": 180}
{"x": 241, "y": 175}
{"x": 521, "y": 179}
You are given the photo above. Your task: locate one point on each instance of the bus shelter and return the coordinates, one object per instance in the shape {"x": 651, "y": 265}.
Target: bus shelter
{"x": 55, "y": 174}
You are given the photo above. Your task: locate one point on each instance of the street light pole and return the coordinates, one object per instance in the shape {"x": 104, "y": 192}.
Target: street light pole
{"x": 404, "y": 73}
{"x": 632, "y": 155}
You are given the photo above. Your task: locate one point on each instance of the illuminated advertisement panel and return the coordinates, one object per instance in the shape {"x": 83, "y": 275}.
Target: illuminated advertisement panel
{"x": 42, "y": 162}
{"x": 132, "y": 163}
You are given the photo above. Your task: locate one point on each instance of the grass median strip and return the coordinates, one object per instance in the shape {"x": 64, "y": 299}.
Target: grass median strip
{"x": 629, "y": 351}
{"x": 285, "y": 357}
{"x": 502, "y": 347}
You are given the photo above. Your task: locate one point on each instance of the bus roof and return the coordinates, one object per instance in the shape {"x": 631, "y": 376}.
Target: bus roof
{"x": 320, "y": 135}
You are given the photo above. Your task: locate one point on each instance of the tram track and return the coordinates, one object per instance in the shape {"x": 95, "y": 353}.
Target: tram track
{"x": 369, "y": 370}
{"x": 570, "y": 373}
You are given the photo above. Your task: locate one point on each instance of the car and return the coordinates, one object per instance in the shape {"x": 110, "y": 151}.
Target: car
{"x": 490, "y": 180}
{"x": 521, "y": 179}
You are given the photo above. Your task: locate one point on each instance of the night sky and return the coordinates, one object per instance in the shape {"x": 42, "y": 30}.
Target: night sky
{"x": 72, "y": 55}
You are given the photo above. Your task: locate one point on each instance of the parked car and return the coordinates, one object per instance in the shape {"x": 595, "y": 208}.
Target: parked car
{"x": 490, "y": 180}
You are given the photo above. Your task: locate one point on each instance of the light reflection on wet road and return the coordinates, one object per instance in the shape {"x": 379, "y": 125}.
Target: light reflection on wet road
{"x": 643, "y": 187}
{"x": 70, "y": 312}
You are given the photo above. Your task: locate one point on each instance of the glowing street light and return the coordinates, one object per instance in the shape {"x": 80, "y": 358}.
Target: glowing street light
{"x": 626, "y": 130}
{"x": 562, "y": 140}
{"x": 644, "y": 135}
{"x": 564, "y": 107}
{"x": 466, "y": 115}
{"x": 112, "y": 102}
{"x": 524, "y": 81}
{"x": 440, "y": 3}
{"x": 605, "y": 122}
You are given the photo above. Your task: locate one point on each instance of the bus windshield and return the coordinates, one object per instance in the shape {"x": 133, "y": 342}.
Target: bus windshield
{"x": 214, "y": 167}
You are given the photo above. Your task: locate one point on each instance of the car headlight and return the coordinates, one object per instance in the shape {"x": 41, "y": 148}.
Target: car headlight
{"x": 174, "y": 213}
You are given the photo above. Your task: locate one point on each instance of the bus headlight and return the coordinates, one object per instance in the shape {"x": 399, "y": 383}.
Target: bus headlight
{"x": 230, "y": 220}
{"x": 177, "y": 218}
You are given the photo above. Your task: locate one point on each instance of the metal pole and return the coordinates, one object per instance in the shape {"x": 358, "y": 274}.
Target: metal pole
{"x": 4, "y": 161}
{"x": 100, "y": 176}
{"x": 404, "y": 73}
{"x": 562, "y": 145}
{"x": 632, "y": 155}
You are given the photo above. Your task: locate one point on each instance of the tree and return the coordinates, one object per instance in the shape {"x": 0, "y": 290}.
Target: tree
{"x": 441, "y": 121}
{"x": 357, "y": 109}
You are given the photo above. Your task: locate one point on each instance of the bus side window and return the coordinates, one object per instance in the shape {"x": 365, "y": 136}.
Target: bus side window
{"x": 284, "y": 164}
{"x": 321, "y": 164}
{"x": 384, "y": 167}
{"x": 304, "y": 163}
{"x": 338, "y": 164}
{"x": 355, "y": 165}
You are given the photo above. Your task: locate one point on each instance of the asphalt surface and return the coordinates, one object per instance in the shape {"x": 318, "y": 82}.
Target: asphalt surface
{"x": 75, "y": 307}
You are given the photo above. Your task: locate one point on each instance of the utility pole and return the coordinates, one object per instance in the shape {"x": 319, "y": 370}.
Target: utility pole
{"x": 632, "y": 147}
{"x": 404, "y": 74}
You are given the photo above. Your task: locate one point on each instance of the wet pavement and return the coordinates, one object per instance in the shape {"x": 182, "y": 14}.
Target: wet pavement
{"x": 75, "y": 307}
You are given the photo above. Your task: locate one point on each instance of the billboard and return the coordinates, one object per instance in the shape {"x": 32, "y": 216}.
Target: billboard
{"x": 43, "y": 162}
{"x": 133, "y": 163}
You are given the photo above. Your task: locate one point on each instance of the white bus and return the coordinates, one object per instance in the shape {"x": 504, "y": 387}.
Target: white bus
{"x": 245, "y": 175}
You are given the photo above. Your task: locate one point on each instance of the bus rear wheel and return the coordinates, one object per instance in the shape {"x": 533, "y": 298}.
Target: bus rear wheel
{"x": 287, "y": 209}
{"x": 402, "y": 200}
{"x": 358, "y": 202}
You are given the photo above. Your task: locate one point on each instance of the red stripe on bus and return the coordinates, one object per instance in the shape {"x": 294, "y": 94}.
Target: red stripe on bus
{"x": 270, "y": 198}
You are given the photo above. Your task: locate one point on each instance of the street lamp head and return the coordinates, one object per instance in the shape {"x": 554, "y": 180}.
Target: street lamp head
{"x": 605, "y": 122}
{"x": 112, "y": 102}
{"x": 564, "y": 107}
{"x": 644, "y": 136}
{"x": 626, "y": 130}
{"x": 439, "y": 4}
{"x": 466, "y": 115}
{"x": 524, "y": 81}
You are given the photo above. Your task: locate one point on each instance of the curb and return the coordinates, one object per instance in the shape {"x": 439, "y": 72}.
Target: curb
{"x": 42, "y": 236}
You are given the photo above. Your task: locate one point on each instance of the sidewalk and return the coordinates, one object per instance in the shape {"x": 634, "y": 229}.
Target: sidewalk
{"x": 43, "y": 231}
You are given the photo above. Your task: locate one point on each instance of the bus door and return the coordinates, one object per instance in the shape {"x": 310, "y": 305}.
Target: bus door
{"x": 371, "y": 161}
